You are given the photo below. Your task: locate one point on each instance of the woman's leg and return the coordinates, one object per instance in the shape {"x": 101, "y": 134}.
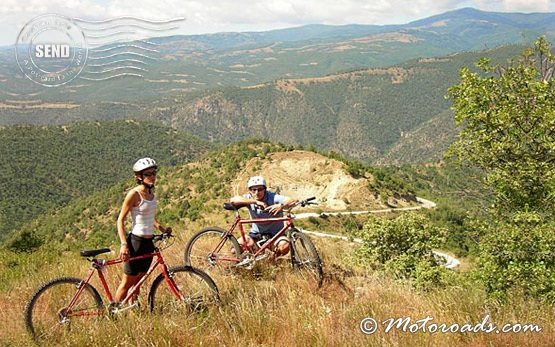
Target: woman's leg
{"x": 127, "y": 282}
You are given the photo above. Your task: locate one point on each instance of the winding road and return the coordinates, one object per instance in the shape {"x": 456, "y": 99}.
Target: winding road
{"x": 447, "y": 260}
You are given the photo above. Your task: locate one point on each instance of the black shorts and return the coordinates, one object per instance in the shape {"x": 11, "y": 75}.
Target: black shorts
{"x": 138, "y": 246}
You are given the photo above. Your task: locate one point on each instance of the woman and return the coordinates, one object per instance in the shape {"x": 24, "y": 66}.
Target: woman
{"x": 141, "y": 202}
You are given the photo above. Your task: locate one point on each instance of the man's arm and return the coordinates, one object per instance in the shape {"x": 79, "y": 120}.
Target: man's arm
{"x": 242, "y": 201}
{"x": 282, "y": 203}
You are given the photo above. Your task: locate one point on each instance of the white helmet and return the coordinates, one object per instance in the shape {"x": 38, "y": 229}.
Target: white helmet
{"x": 143, "y": 164}
{"x": 256, "y": 181}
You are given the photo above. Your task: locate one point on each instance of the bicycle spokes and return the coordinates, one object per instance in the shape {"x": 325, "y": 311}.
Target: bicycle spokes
{"x": 212, "y": 249}
{"x": 48, "y": 316}
{"x": 305, "y": 259}
{"x": 194, "y": 289}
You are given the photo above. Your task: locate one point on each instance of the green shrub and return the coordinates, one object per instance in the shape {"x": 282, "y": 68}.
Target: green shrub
{"x": 314, "y": 220}
{"x": 25, "y": 241}
{"x": 402, "y": 247}
{"x": 518, "y": 256}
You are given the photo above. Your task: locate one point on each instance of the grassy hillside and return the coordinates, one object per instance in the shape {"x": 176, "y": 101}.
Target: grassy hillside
{"x": 47, "y": 167}
{"x": 269, "y": 305}
{"x": 193, "y": 193}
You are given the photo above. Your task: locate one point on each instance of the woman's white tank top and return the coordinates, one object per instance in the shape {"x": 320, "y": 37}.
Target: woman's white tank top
{"x": 143, "y": 217}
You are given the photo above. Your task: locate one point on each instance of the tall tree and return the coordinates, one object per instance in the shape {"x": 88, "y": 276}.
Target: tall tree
{"x": 507, "y": 115}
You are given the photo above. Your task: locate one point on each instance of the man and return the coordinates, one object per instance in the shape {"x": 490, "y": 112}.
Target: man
{"x": 264, "y": 204}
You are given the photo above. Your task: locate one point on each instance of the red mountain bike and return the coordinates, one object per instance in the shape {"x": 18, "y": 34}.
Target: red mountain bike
{"x": 216, "y": 248}
{"x": 65, "y": 303}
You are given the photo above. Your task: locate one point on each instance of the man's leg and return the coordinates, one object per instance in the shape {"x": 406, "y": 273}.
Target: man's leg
{"x": 250, "y": 242}
{"x": 282, "y": 246}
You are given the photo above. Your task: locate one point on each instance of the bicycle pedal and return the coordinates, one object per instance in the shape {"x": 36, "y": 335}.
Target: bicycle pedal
{"x": 262, "y": 256}
{"x": 116, "y": 308}
{"x": 245, "y": 262}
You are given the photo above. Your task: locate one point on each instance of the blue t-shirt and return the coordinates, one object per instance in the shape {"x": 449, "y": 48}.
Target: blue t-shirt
{"x": 256, "y": 212}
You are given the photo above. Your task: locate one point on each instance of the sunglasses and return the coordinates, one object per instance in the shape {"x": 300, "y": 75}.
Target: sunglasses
{"x": 257, "y": 189}
{"x": 149, "y": 174}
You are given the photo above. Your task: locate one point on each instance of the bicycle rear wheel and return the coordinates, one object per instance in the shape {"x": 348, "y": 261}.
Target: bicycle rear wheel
{"x": 197, "y": 289}
{"x": 210, "y": 249}
{"x": 46, "y": 315}
{"x": 305, "y": 259}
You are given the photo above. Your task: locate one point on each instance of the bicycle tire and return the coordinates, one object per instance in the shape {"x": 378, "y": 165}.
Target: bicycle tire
{"x": 199, "y": 251}
{"x": 304, "y": 258}
{"x": 197, "y": 288}
{"x": 45, "y": 317}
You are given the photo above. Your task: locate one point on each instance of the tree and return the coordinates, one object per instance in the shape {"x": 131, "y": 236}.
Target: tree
{"x": 507, "y": 115}
{"x": 517, "y": 256}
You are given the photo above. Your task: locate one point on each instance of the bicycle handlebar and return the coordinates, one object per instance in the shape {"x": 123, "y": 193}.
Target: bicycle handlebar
{"x": 161, "y": 237}
{"x": 228, "y": 206}
{"x": 305, "y": 202}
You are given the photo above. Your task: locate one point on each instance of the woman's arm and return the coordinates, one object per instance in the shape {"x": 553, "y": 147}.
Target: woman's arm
{"x": 161, "y": 228}
{"x": 128, "y": 203}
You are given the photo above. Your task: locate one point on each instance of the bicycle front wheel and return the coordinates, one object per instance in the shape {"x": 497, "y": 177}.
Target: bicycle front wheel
{"x": 47, "y": 315}
{"x": 211, "y": 249}
{"x": 196, "y": 292}
{"x": 305, "y": 259}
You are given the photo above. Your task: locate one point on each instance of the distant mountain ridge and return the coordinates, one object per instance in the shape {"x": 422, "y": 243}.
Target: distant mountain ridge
{"x": 188, "y": 64}
{"x": 388, "y": 115}
{"x": 372, "y": 93}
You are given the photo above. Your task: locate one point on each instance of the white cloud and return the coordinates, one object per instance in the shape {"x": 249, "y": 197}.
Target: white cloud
{"x": 527, "y": 6}
{"x": 516, "y": 5}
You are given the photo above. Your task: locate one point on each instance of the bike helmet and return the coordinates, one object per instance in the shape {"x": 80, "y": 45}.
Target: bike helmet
{"x": 143, "y": 164}
{"x": 256, "y": 181}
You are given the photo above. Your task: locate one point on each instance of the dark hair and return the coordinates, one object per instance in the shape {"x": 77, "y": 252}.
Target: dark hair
{"x": 137, "y": 179}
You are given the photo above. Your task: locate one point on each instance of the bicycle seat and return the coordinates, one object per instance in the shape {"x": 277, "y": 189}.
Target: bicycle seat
{"x": 228, "y": 206}
{"x": 93, "y": 252}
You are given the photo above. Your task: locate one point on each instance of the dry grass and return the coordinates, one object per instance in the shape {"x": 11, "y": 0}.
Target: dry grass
{"x": 271, "y": 306}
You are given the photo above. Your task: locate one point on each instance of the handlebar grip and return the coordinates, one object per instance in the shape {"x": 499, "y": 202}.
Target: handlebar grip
{"x": 307, "y": 201}
{"x": 161, "y": 236}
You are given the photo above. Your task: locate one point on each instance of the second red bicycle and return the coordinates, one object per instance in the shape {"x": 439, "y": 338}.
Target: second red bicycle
{"x": 215, "y": 248}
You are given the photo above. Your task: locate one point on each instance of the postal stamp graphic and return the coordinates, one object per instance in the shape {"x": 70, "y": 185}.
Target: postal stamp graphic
{"x": 53, "y": 49}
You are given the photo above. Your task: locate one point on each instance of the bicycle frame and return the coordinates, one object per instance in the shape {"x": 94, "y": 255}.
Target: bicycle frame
{"x": 239, "y": 222}
{"x": 98, "y": 265}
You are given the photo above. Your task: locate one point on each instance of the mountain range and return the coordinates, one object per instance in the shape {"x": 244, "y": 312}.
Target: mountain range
{"x": 185, "y": 64}
{"x": 371, "y": 93}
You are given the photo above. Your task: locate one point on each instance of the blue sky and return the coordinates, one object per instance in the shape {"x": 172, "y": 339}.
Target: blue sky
{"x": 208, "y": 16}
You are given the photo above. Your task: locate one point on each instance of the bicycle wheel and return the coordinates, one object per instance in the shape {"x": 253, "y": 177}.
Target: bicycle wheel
{"x": 210, "y": 250}
{"x": 305, "y": 259}
{"x": 47, "y": 316}
{"x": 197, "y": 289}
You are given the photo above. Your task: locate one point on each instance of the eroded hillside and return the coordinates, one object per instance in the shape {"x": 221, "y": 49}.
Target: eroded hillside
{"x": 302, "y": 174}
